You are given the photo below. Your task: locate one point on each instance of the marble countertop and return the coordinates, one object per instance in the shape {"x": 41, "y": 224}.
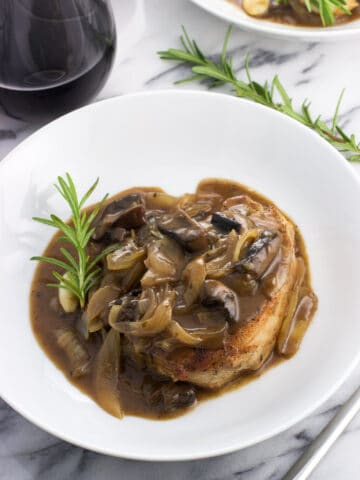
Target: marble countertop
{"x": 309, "y": 70}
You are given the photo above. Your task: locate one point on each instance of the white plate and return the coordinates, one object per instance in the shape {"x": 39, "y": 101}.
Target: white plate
{"x": 236, "y": 15}
{"x": 173, "y": 139}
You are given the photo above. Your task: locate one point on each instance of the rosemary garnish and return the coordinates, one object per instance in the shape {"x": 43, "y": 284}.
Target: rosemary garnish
{"x": 81, "y": 271}
{"x": 271, "y": 94}
{"x": 326, "y": 9}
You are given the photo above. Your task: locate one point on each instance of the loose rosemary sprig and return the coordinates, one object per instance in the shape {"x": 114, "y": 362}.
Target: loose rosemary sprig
{"x": 81, "y": 271}
{"x": 325, "y": 8}
{"x": 271, "y": 94}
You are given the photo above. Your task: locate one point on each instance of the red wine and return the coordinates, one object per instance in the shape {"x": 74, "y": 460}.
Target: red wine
{"x": 55, "y": 55}
{"x": 53, "y": 101}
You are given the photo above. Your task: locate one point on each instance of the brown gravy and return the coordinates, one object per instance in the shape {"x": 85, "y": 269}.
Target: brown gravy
{"x": 299, "y": 17}
{"x": 47, "y": 317}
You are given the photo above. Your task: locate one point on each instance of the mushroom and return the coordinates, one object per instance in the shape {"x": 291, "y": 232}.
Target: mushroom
{"x": 127, "y": 212}
{"x": 216, "y": 293}
{"x": 225, "y": 222}
{"x": 185, "y": 230}
{"x": 124, "y": 310}
{"x": 260, "y": 254}
{"x": 168, "y": 397}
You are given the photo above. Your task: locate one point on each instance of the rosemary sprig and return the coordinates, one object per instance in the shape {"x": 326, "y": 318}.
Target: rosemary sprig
{"x": 326, "y": 9}
{"x": 81, "y": 271}
{"x": 271, "y": 94}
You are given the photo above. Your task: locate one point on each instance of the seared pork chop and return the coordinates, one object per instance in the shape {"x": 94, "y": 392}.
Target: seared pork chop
{"x": 250, "y": 345}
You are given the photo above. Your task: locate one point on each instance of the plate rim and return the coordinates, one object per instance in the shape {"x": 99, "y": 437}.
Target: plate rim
{"x": 235, "y": 445}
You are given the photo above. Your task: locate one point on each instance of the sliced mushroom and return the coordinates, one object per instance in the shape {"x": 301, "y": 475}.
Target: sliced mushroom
{"x": 98, "y": 306}
{"x": 125, "y": 309}
{"x": 106, "y": 374}
{"x": 168, "y": 397}
{"x": 115, "y": 235}
{"x": 127, "y": 212}
{"x": 185, "y": 230}
{"x": 260, "y": 255}
{"x": 76, "y": 353}
{"x": 215, "y": 293}
{"x": 225, "y": 222}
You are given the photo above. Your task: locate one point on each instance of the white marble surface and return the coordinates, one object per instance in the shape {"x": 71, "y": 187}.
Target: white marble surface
{"x": 315, "y": 71}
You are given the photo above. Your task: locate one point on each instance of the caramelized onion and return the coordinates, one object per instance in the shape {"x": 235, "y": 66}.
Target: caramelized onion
{"x": 133, "y": 276}
{"x": 302, "y": 316}
{"x": 75, "y": 351}
{"x": 221, "y": 265}
{"x": 204, "y": 337}
{"x": 125, "y": 257}
{"x": 181, "y": 335}
{"x": 193, "y": 277}
{"x": 150, "y": 326}
{"x": 287, "y": 324}
{"x": 200, "y": 205}
{"x": 98, "y": 305}
{"x": 147, "y": 303}
{"x": 106, "y": 374}
{"x": 164, "y": 262}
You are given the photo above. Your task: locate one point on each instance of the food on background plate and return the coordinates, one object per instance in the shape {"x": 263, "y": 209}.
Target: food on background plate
{"x": 161, "y": 300}
{"x": 302, "y": 12}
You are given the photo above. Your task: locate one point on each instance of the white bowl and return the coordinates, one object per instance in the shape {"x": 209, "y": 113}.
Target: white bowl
{"x": 173, "y": 139}
{"x": 236, "y": 15}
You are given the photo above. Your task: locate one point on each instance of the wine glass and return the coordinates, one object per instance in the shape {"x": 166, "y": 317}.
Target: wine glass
{"x": 55, "y": 55}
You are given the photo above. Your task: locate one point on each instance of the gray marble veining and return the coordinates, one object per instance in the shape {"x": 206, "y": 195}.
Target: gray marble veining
{"x": 309, "y": 70}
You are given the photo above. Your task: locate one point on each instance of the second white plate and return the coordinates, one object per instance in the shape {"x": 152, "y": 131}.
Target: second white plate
{"x": 235, "y": 15}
